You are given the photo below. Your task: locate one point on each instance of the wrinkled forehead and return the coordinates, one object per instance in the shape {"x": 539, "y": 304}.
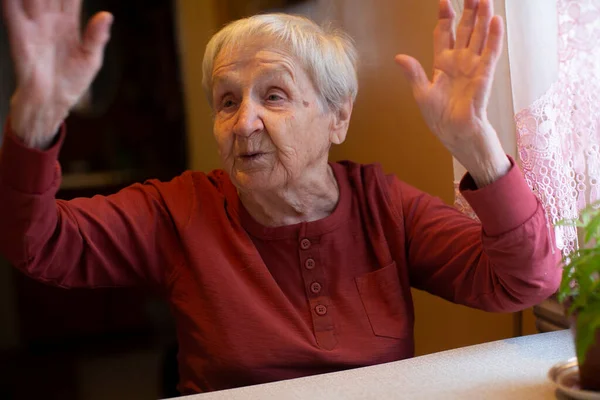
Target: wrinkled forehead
{"x": 272, "y": 55}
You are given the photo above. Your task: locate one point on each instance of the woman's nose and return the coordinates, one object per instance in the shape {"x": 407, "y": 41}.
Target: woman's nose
{"x": 248, "y": 120}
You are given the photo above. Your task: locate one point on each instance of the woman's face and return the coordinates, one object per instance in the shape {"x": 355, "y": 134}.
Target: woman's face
{"x": 270, "y": 125}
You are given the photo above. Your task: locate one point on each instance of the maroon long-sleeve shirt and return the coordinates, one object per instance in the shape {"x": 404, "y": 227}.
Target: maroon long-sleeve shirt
{"x": 255, "y": 304}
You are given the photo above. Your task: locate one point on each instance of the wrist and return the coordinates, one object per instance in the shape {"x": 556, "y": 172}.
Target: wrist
{"x": 489, "y": 168}
{"x": 36, "y": 124}
{"x": 484, "y": 158}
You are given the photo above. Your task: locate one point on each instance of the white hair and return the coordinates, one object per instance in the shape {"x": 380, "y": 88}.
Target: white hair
{"x": 328, "y": 55}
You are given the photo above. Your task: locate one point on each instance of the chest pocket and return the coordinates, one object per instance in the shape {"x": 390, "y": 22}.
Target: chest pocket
{"x": 381, "y": 294}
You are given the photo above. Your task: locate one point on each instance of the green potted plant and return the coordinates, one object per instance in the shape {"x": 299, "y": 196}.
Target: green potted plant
{"x": 580, "y": 293}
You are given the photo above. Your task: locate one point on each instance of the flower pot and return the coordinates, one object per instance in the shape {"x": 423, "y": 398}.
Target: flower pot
{"x": 589, "y": 371}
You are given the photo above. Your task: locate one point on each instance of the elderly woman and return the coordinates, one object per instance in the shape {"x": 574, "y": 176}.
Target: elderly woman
{"x": 282, "y": 264}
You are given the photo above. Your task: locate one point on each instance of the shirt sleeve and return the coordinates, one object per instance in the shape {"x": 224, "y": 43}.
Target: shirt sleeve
{"x": 506, "y": 262}
{"x": 124, "y": 239}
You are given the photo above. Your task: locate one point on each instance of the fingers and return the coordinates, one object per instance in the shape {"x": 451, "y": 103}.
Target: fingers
{"x": 16, "y": 10}
{"x": 466, "y": 24}
{"x": 413, "y": 71}
{"x": 13, "y": 10}
{"x": 480, "y": 32}
{"x": 97, "y": 33}
{"x": 71, "y": 6}
{"x": 35, "y": 8}
{"x": 493, "y": 46}
{"x": 443, "y": 35}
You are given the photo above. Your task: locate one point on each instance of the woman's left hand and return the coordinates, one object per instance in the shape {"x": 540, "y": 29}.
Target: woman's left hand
{"x": 454, "y": 102}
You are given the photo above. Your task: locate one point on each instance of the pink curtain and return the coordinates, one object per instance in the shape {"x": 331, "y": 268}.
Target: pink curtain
{"x": 558, "y": 136}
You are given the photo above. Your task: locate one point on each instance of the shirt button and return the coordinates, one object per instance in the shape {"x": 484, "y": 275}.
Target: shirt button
{"x": 309, "y": 263}
{"x": 321, "y": 309}
{"x": 305, "y": 244}
{"x": 315, "y": 287}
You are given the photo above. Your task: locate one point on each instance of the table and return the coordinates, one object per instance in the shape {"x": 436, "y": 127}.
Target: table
{"x": 506, "y": 369}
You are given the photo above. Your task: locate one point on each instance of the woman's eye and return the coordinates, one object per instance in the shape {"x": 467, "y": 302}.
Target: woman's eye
{"x": 274, "y": 97}
{"x": 228, "y": 103}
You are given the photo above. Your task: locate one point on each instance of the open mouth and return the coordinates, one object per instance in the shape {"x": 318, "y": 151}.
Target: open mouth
{"x": 251, "y": 156}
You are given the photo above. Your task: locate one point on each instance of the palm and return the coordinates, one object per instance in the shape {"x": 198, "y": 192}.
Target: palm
{"x": 454, "y": 102}
{"x": 458, "y": 94}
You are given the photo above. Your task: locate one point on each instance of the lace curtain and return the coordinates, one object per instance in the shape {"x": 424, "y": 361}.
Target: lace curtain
{"x": 558, "y": 134}
{"x": 545, "y": 103}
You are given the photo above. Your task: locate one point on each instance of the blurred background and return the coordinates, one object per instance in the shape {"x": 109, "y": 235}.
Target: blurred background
{"x": 146, "y": 117}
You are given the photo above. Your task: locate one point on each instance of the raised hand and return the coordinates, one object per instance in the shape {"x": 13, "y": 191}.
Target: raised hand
{"x": 54, "y": 64}
{"x": 454, "y": 102}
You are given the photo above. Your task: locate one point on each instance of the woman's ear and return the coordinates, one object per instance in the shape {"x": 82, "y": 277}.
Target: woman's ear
{"x": 341, "y": 121}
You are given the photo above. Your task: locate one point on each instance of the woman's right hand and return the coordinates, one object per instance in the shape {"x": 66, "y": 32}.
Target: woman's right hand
{"x": 54, "y": 63}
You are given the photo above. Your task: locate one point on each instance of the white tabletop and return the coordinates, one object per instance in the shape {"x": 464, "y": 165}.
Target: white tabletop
{"x": 507, "y": 369}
